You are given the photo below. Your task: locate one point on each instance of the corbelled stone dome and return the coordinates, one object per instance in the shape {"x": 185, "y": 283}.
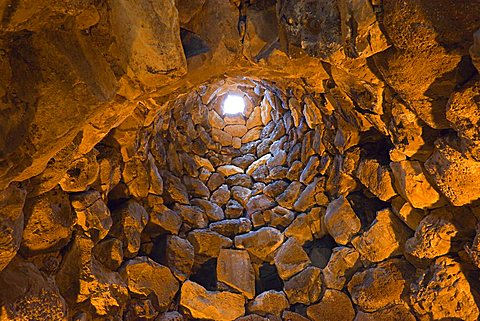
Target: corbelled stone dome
{"x": 239, "y": 160}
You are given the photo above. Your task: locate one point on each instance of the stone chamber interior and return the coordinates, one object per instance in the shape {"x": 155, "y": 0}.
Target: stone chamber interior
{"x": 342, "y": 187}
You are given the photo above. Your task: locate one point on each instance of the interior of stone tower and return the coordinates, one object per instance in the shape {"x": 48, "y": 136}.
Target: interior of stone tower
{"x": 247, "y": 160}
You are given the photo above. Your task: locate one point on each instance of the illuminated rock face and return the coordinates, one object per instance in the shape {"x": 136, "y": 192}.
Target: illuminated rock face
{"x": 239, "y": 160}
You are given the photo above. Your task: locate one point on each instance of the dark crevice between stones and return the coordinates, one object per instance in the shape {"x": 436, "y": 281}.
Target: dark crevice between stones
{"x": 366, "y": 208}
{"x": 206, "y": 275}
{"x": 320, "y": 250}
{"x": 269, "y": 279}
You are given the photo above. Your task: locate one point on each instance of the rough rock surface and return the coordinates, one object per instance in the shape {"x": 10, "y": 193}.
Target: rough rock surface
{"x": 341, "y": 221}
{"x": 30, "y": 295}
{"x": 444, "y": 292}
{"x": 93, "y": 215}
{"x": 49, "y": 222}
{"x": 11, "y": 223}
{"x": 413, "y": 185}
{"x": 433, "y": 237}
{"x": 203, "y": 304}
{"x": 235, "y": 270}
{"x": 260, "y": 243}
{"x": 385, "y": 238}
{"x": 341, "y": 266}
{"x": 269, "y": 302}
{"x": 334, "y": 305}
{"x": 180, "y": 257}
{"x": 290, "y": 259}
{"x": 445, "y": 164}
{"x": 381, "y": 286}
{"x": 305, "y": 287}
{"x": 145, "y": 277}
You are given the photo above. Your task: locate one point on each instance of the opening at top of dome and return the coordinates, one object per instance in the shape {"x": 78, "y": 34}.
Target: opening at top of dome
{"x": 233, "y": 105}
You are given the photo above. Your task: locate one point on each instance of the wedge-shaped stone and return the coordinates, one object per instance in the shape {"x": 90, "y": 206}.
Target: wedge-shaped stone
{"x": 343, "y": 262}
{"x": 260, "y": 243}
{"x": 235, "y": 270}
{"x": 341, "y": 221}
{"x": 179, "y": 257}
{"x": 443, "y": 292}
{"x": 385, "y": 238}
{"x": 334, "y": 306}
{"x": 413, "y": 185}
{"x": 269, "y": 302}
{"x": 381, "y": 286}
{"x": 376, "y": 178}
{"x": 203, "y": 304}
{"x": 454, "y": 171}
{"x": 290, "y": 259}
{"x": 305, "y": 287}
{"x": 145, "y": 277}
{"x": 207, "y": 244}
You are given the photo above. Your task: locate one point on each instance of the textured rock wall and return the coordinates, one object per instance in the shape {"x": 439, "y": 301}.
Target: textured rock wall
{"x": 347, "y": 191}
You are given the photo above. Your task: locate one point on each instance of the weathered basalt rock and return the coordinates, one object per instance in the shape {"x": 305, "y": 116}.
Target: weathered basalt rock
{"x": 81, "y": 278}
{"x": 260, "y": 243}
{"x": 290, "y": 259}
{"x": 445, "y": 164}
{"x": 413, "y": 185}
{"x": 180, "y": 256}
{"x": 382, "y": 286}
{"x": 305, "y": 287}
{"x": 30, "y": 294}
{"x": 270, "y": 302}
{"x": 341, "y": 221}
{"x": 145, "y": 277}
{"x": 204, "y": 304}
{"x": 343, "y": 262}
{"x": 444, "y": 292}
{"x": 235, "y": 270}
{"x": 11, "y": 223}
{"x": 128, "y": 223}
{"x": 385, "y": 238}
{"x": 49, "y": 222}
{"x": 207, "y": 244}
{"x": 334, "y": 305}
{"x": 93, "y": 215}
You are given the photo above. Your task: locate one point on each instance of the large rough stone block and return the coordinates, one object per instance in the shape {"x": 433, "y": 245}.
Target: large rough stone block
{"x": 269, "y": 302}
{"x": 290, "y": 259}
{"x": 11, "y": 223}
{"x": 145, "y": 277}
{"x": 385, "y": 238}
{"x": 129, "y": 220}
{"x": 334, "y": 306}
{"x": 423, "y": 73}
{"x": 148, "y": 40}
{"x": 203, "y": 304}
{"x": 341, "y": 221}
{"x": 260, "y": 243}
{"x": 31, "y": 295}
{"x": 453, "y": 171}
{"x": 235, "y": 270}
{"x": 443, "y": 291}
{"x": 81, "y": 278}
{"x": 49, "y": 222}
{"x": 413, "y": 185}
{"x": 384, "y": 285}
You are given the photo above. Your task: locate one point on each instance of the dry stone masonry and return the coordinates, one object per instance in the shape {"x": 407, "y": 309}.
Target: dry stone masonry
{"x": 347, "y": 189}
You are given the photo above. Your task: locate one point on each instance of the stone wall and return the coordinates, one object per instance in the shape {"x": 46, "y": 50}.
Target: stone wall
{"x": 347, "y": 191}
{"x": 281, "y": 213}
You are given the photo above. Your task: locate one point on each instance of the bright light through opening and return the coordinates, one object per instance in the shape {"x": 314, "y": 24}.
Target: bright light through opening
{"x": 233, "y": 105}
